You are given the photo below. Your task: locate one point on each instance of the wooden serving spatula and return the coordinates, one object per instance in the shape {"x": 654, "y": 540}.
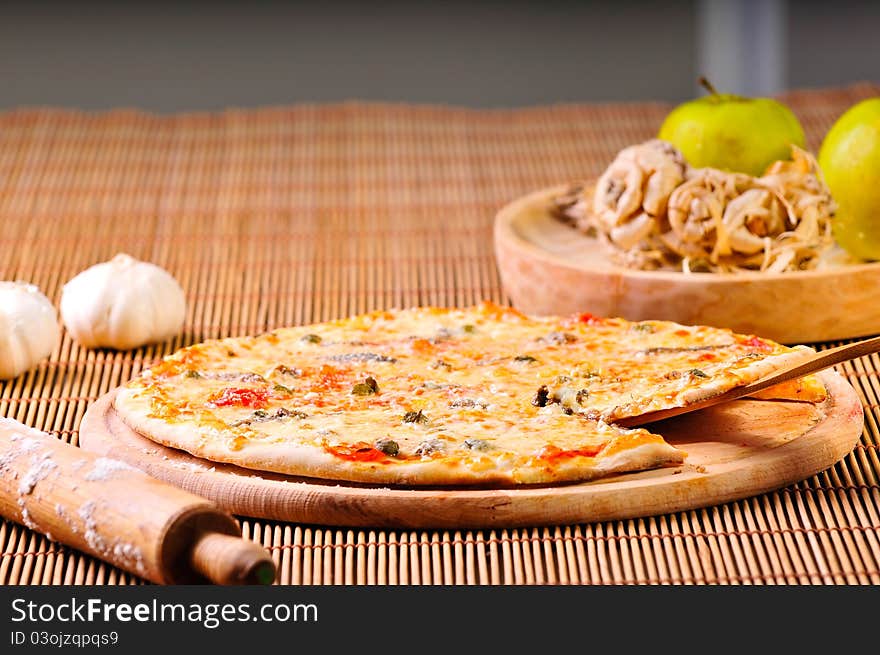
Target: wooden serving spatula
{"x": 819, "y": 361}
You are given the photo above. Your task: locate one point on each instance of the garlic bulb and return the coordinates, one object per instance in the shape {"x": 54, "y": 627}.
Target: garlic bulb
{"x": 122, "y": 304}
{"x": 28, "y": 328}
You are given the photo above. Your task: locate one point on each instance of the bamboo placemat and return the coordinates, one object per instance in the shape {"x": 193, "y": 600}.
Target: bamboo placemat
{"x": 284, "y": 216}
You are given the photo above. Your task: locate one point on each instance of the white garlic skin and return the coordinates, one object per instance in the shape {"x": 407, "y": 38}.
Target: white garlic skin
{"x": 29, "y": 328}
{"x": 122, "y": 304}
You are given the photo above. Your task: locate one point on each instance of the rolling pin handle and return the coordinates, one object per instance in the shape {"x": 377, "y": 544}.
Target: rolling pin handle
{"x": 227, "y": 560}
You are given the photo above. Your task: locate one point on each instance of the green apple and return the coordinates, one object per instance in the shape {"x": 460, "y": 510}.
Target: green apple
{"x": 731, "y": 132}
{"x": 850, "y": 161}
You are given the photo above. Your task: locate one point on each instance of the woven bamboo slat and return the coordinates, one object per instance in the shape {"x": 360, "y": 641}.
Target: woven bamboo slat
{"x": 289, "y": 215}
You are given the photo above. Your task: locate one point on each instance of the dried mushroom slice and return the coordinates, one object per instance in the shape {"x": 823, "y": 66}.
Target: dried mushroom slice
{"x": 639, "y": 181}
{"x": 696, "y": 207}
{"x": 748, "y": 220}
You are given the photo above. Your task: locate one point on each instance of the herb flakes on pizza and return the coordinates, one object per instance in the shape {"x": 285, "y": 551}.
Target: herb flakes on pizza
{"x": 435, "y": 396}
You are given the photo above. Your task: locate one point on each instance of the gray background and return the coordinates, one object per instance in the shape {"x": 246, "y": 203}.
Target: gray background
{"x": 166, "y": 57}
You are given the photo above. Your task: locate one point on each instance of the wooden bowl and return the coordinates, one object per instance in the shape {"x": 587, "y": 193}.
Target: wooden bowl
{"x": 548, "y": 267}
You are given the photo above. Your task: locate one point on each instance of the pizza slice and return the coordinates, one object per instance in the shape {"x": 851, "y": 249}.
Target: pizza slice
{"x": 808, "y": 389}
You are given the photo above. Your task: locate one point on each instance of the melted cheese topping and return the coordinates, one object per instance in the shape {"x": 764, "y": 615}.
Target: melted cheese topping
{"x": 486, "y": 386}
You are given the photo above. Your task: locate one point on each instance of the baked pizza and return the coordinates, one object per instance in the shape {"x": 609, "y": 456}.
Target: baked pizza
{"x": 438, "y": 396}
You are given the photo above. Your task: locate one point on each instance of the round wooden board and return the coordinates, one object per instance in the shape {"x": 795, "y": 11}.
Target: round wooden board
{"x": 548, "y": 267}
{"x": 734, "y": 451}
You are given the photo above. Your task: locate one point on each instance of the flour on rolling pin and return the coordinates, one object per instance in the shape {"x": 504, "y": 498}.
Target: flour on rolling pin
{"x": 118, "y": 513}
{"x": 27, "y": 441}
{"x": 104, "y": 467}
{"x": 37, "y": 448}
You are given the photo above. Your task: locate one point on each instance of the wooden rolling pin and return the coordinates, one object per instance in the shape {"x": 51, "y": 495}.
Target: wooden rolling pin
{"x": 121, "y": 515}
